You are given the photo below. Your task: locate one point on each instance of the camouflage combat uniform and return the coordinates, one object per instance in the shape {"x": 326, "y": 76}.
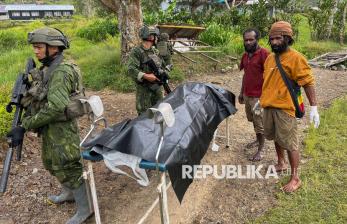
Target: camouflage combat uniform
{"x": 60, "y": 138}
{"x": 147, "y": 94}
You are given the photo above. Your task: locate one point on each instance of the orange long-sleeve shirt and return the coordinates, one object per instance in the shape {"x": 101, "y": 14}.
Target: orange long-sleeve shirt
{"x": 274, "y": 91}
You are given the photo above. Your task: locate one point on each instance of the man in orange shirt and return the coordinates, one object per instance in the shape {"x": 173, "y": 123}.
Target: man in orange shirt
{"x": 279, "y": 119}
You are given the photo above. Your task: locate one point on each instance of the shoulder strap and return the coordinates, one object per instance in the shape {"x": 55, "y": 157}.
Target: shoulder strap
{"x": 51, "y": 68}
{"x": 288, "y": 82}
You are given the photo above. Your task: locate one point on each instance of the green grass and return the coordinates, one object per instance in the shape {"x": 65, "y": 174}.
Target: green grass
{"x": 13, "y": 62}
{"x": 323, "y": 196}
{"x": 100, "y": 64}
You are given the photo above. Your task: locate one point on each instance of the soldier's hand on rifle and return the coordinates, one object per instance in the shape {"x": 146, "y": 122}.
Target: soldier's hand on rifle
{"x": 17, "y": 135}
{"x": 150, "y": 77}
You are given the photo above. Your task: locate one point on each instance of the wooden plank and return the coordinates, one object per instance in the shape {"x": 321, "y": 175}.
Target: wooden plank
{"x": 336, "y": 62}
{"x": 319, "y": 57}
{"x": 202, "y": 53}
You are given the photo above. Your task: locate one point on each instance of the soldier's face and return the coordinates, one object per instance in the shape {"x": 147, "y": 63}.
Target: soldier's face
{"x": 40, "y": 51}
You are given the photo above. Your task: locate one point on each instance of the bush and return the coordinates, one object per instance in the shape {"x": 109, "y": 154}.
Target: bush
{"x": 234, "y": 46}
{"x": 99, "y": 30}
{"x": 216, "y": 35}
{"x": 6, "y": 118}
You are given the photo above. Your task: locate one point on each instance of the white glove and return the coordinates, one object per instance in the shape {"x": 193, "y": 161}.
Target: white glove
{"x": 257, "y": 108}
{"x": 314, "y": 116}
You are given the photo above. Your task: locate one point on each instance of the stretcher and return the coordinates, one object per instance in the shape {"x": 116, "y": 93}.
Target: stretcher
{"x": 90, "y": 156}
{"x": 199, "y": 109}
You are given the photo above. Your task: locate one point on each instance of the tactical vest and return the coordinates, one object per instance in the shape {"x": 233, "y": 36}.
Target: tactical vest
{"x": 163, "y": 48}
{"x": 36, "y": 97}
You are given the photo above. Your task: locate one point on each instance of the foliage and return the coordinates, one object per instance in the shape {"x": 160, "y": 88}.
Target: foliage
{"x": 338, "y": 21}
{"x": 150, "y": 5}
{"x": 257, "y": 16}
{"x": 216, "y": 35}
{"x": 170, "y": 15}
{"x": 99, "y": 30}
{"x": 319, "y": 19}
{"x": 323, "y": 194}
{"x": 226, "y": 18}
{"x": 6, "y": 118}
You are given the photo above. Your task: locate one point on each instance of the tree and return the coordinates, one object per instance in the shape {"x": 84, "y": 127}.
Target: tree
{"x": 343, "y": 27}
{"x": 129, "y": 14}
{"x": 331, "y": 18}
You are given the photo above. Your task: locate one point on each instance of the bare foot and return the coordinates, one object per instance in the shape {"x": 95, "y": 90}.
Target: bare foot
{"x": 292, "y": 185}
{"x": 257, "y": 157}
{"x": 281, "y": 167}
{"x": 252, "y": 144}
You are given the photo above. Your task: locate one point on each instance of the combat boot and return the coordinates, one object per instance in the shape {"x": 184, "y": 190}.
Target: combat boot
{"x": 65, "y": 195}
{"x": 83, "y": 210}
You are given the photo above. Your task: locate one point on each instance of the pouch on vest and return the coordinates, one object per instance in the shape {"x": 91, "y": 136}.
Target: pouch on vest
{"x": 77, "y": 107}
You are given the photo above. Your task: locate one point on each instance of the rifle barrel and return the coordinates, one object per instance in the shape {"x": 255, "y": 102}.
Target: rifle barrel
{"x": 6, "y": 170}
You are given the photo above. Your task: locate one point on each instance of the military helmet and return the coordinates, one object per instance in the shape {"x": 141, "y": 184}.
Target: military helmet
{"x": 50, "y": 36}
{"x": 146, "y": 31}
{"x": 164, "y": 37}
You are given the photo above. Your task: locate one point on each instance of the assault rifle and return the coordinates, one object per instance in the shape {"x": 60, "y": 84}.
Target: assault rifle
{"x": 161, "y": 74}
{"x": 20, "y": 87}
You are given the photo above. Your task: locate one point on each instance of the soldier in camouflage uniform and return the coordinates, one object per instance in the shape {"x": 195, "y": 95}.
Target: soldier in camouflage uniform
{"x": 148, "y": 92}
{"x": 52, "y": 86}
{"x": 165, "y": 48}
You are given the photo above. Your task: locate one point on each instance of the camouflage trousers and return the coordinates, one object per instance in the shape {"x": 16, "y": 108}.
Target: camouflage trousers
{"x": 61, "y": 153}
{"x": 146, "y": 98}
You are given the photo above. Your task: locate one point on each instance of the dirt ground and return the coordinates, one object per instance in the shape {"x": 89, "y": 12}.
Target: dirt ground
{"x": 122, "y": 200}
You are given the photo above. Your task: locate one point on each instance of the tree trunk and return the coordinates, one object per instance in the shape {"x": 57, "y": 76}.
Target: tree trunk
{"x": 129, "y": 23}
{"x": 227, "y": 4}
{"x": 331, "y": 19}
{"x": 89, "y": 8}
{"x": 343, "y": 27}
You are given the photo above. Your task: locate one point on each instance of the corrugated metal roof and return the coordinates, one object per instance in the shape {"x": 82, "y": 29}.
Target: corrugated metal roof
{"x": 33, "y": 7}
